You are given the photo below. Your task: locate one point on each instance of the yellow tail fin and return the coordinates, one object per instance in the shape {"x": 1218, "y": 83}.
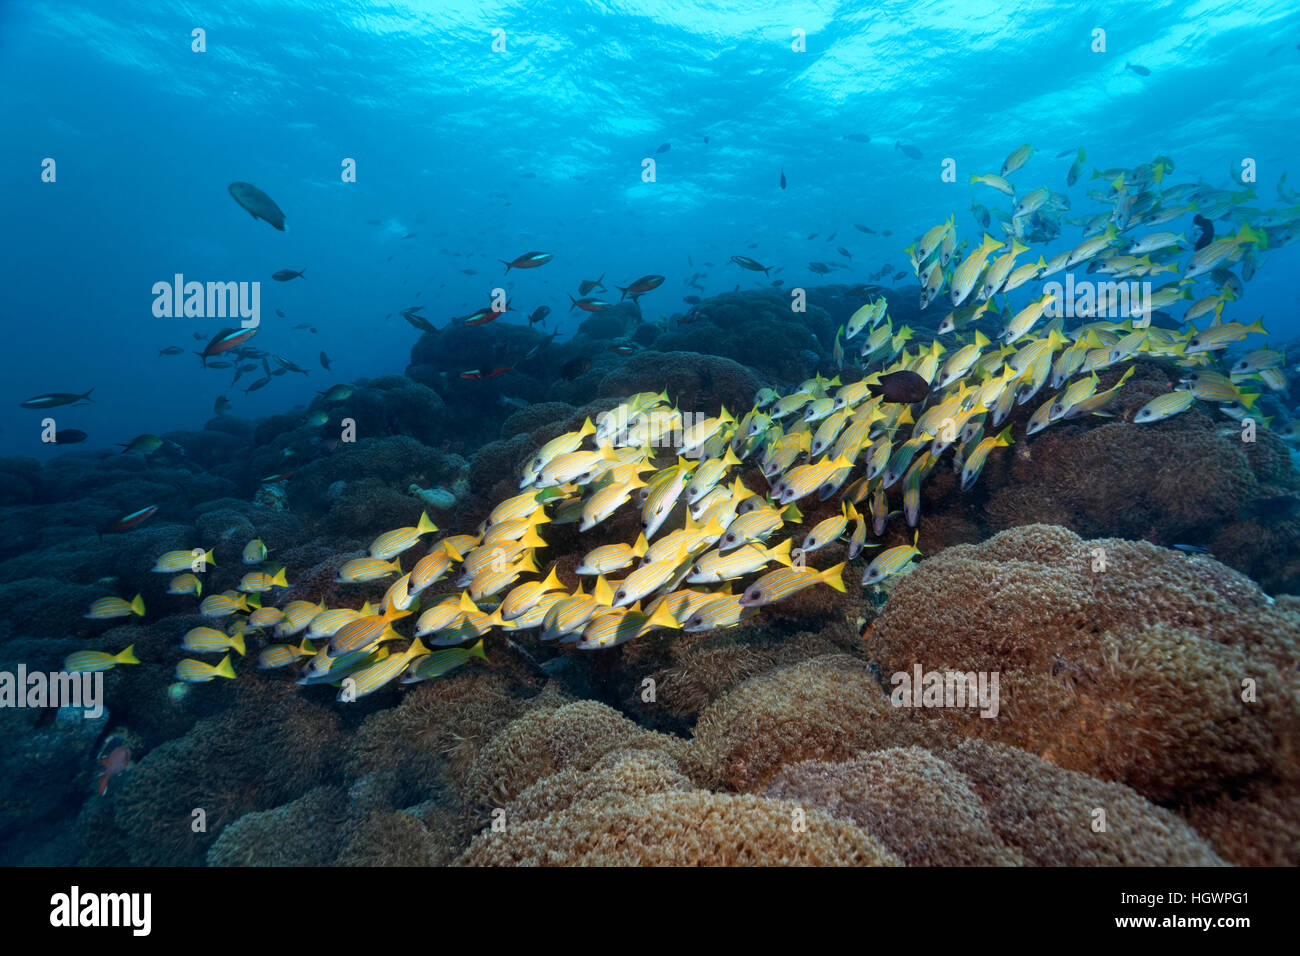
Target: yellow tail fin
{"x": 832, "y": 577}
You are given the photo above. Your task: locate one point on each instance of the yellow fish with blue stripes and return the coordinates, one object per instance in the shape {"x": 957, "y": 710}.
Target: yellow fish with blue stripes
{"x": 196, "y": 672}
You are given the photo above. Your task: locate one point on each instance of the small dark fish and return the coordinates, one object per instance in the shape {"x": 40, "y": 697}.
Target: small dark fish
{"x": 260, "y": 383}
{"x": 844, "y": 252}
{"x": 539, "y": 314}
{"x": 820, "y": 268}
{"x": 777, "y": 283}
{"x": 909, "y": 151}
{"x": 258, "y": 204}
{"x": 1191, "y": 548}
{"x": 277, "y": 372}
{"x": 55, "y": 399}
{"x": 288, "y": 366}
{"x": 664, "y": 148}
{"x": 832, "y": 236}
{"x": 284, "y": 275}
{"x": 1139, "y": 70}
{"x": 324, "y": 361}
{"x": 541, "y": 345}
{"x": 470, "y": 272}
{"x": 1202, "y": 232}
{"x": 813, "y": 235}
{"x": 1065, "y": 152}
{"x": 862, "y": 228}
{"x": 899, "y": 276}
{"x": 783, "y": 179}
{"x": 129, "y": 520}
{"x": 902, "y": 387}
{"x": 586, "y": 285}
{"x": 280, "y": 313}
{"x": 198, "y": 336}
{"x": 69, "y": 436}
{"x": 419, "y": 321}
{"x": 171, "y": 350}
{"x": 886, "y": 232}
{"x": 219, "y": 365}
{"x": 574, "y": 367}
{"x": 857, "y": 137}
{"x": 529, "y": 260}
{"x": 221, "y": 405}
{"x": 303, "y": 325}
{"x": 747, "y": 263}
{"x": 410, "y": 235}
{"x": 862, "y": 291}
{"x": 337, "y": 393}
{"x": 752, "y": 245}
{"x": 691, "y": 299}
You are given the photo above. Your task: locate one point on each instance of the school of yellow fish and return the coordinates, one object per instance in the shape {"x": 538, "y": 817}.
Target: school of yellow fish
{"x": 736, "y": 549}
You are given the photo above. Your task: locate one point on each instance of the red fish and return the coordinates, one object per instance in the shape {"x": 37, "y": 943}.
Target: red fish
{"x": 485, "y": 315}
{"x": 529, "y": 260}
{"x": 126, "y": 522}
{"x": 588, "y": 305}
{"x": 472, "y": 374}
{"x": 118, "y": 759}
{"x": 224, "y": 341}
{"x": 282, "y": 476}
{"x": 640, "y": 287}
{"x": 499, "y": 370}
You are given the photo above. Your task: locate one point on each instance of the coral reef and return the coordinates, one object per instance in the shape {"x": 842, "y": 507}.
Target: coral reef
{"x": 225, "y": 767}
{"x": 827, "y": 708}
{"x": 572, "y": 736}
{"x": 1130, "y": 671}
{"x": 303, "y": 832}
{"x": 693, "y": 828}
{"x": 1160, "y": 688}
{"x": 984, "y": 804}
